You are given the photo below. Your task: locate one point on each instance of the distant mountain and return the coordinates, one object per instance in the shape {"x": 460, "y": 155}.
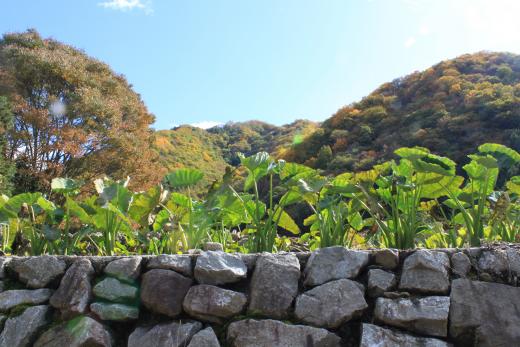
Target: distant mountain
{"x": 212, "y": 150}
{"x": 450, "y": 108}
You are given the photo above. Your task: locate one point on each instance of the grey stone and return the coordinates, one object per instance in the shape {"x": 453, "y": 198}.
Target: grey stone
{"x": 513, "y": 259}
{"x": 380, "y": 281}
{"x": 164, "y": 335}
{"x": 428, "y": 315}
{"x": 484, "y": 314}
{"x": 333, "y": 263}
{"x": 38, "y": 272}
{"x": 179, "y": 263}
{"x": 114, "y": 312}
{"x": 213, "y": 246}
{"x": 493, "y": 262}
{"x": 125, "y": 269}
{"x": 387, "y": 258}
{"x": 426, "y": 272}
{"x": 219, "y": 268}
{"x": 249, "y": 259}
{"x": 4, "y": 261}
{"x": 460, "y": 264}
{"x": 330, "y": 304}
{"x": 372, "y": 336}
{"x": 204, "y": 338}
{"x": 22, "y": 330}
{"x": 212, "y": 303}
{"x": 81, "y": 331}
{"x": 113, "y": 290}
{"x": 272, "y": 333}
{"x": 75, "y": 292}
{"x": 163, "y": 291}
{"x": 12, "y": 298}
{"x": 274, "y": 285}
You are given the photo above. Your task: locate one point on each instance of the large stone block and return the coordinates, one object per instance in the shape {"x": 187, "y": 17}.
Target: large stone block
{"x": 12, "y": 298}
{"x": 181, "y": 263}
{"x": 380, "y": 281}
{"x": 219, "y": 268}
{"x": 373, "y": 335}
{"x": 75, "y": 291}
{"x": 212, "y": 303}
{"x": 163, "y": 291}
{"x": 274, "y": 285}
{"x": 22, "y": 330}
{"x": 272, "y": 333}
{"x": 426, "y": 272}
{"x": 113, "y": 290}
{"x": 126, "y": 269}
{"x": 331, "y": 304}
{"x": 427, "y": 315}
{"x": 484, "y": 314}
{"x": 164, "y": 335}
{"x": 204, "y": 338}
{"x": 38, "y": 272}
{"x": 79, "y": 332}
{"x": 334, "y": 263}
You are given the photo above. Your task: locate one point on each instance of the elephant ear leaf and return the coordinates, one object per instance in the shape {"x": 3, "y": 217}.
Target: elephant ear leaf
{"x": 513, "y": 185}
{"x": 183, "y": 178}
{"x": 65, "y": 186}
{"x": 286, "y": 222}
{"x": 143, "y": 204}
{"x": 505, "y": 156}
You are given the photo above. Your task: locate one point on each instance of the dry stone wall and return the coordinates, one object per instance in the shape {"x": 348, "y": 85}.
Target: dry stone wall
{"x": 331, "y": 297}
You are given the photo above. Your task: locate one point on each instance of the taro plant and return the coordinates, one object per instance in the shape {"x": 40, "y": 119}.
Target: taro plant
{"x": 472, "y": 201}
{"x": 262, "y": 219}
{"x": 182, "y": 218}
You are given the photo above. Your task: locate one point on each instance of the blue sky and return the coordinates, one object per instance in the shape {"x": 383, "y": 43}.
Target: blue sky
{"x": 200, "y": 61}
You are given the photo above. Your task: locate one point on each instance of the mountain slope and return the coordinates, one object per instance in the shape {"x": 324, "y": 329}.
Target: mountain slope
{"x": 449, "y": 108}
{"x": 212, "y": 150}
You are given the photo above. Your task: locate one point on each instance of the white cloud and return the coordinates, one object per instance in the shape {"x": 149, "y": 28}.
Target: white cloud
{"x": 206, "y": 124}
{"x": 410, "y": 42}
{"x": 128, "y": 5}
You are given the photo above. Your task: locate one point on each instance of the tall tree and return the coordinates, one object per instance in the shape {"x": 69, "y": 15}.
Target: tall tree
{"x": 73, "y": 116}
{"x": 6, "y": 165}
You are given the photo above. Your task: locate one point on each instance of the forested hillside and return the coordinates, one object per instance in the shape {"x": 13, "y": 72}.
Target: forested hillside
{"x": 212, "y": 150}
{"x": 450, "y": 108}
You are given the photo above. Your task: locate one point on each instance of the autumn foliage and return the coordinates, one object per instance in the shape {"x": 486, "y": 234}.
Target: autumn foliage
{"x": 73, "y": 116}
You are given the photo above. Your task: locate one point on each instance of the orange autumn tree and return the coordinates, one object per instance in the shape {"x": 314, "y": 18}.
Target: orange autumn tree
{"x": 73, "y": 116}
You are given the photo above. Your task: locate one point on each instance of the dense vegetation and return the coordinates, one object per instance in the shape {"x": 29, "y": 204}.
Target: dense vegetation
{"x": 361, "y": 178}
{"x": 449, "y": 107}
{"x": 212, "y": 150}
{"x": 417, "y": 200}
{"x": 72, "y": 116}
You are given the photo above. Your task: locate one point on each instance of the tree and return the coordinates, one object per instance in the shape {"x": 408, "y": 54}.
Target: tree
{"x": 73, "y": 116}
{"x": 6, "y": 166}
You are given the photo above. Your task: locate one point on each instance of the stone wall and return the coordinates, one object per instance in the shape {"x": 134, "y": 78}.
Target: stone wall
{"x": 332, "y": 297}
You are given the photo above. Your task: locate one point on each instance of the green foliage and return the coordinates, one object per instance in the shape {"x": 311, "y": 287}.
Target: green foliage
{"x": 450, "y": 106}
{"x": 6, "y": 165}
{"x": 416, "y": 200}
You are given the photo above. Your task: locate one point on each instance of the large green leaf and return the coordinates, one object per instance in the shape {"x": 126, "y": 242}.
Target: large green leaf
{"x": 183, "y": 178}
{"x": 286, "y": 222}
{"x": 143, "y": 205}
{"x": 115, "y": 193}
{"x": 513, "y": 185}
{"x": 65, "y": 185}
{"x": 505, "y": 156}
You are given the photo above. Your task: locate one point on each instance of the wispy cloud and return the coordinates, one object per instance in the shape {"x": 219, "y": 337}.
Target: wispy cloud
{"x": 128, "y": 5}
{"x": 409, "y": 42}
{"x": 206, "y": 124}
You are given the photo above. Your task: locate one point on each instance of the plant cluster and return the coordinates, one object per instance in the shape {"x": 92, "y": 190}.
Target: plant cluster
{"x": 418, "y": 200}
